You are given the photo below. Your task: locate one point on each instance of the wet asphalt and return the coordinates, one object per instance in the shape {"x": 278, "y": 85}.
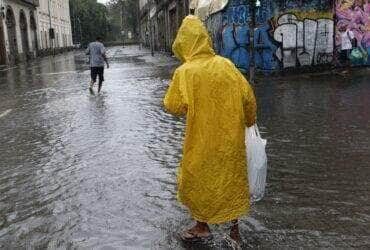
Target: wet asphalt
{"x": 98, "y": 171}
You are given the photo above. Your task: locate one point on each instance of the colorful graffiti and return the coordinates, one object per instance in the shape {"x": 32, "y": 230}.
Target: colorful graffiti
{"x": 288, "y": 33}
{"x": 354, "y": 15}
{"x": 231, "y": 35}
{"x": 304, "y": 42}
{"x": 264, "y": 46}
{"x": 235, "y": 33}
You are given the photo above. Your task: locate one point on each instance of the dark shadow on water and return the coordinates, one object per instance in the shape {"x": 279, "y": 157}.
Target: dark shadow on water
{"x": 92, "y": 92}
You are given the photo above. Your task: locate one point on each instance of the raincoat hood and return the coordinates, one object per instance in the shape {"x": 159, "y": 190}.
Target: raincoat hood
{"x": 192, "y": 40}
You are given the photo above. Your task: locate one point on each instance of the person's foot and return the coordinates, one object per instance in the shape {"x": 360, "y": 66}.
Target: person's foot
{"x": 199, "y": 232}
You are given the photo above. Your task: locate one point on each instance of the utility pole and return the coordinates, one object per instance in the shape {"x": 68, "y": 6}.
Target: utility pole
{"x": 122, "y": 23}
{"x": 79, "y": 31}
{"x": 152, "y": 12}
{"x": 76, "y": 25}
{"x": 51, "y": 30}
{"x": 138, "y": 23}
{"x": 252, "y": 25}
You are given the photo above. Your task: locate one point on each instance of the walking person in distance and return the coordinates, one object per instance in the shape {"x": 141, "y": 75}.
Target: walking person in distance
{"x": 97, "y": 55}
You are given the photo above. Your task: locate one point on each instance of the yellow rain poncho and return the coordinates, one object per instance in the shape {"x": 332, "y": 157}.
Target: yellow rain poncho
{"x": 218, "y": 103}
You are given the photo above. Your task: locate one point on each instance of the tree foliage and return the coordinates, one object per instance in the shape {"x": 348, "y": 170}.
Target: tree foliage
{"x": 124, "y": 13}
{"x": 89, "y": 20}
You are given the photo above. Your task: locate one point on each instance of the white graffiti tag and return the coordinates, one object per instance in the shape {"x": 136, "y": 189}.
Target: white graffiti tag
{"x": 307, "y": 42}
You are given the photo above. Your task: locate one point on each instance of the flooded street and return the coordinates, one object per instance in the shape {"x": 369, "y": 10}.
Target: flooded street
{"x": 83, "y": 171}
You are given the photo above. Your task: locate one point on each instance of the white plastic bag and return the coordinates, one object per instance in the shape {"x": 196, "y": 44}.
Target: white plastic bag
{"x": 257, "y": 163}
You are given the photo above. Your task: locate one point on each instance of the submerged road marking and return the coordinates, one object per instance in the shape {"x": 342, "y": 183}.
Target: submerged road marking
{"x": 6, "y": 112}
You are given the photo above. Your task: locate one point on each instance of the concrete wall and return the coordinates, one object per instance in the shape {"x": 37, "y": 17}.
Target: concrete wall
{"x": 288, "y": 34}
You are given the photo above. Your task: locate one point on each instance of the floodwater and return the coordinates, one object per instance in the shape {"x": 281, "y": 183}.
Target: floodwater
{"x": 84, "y": 171}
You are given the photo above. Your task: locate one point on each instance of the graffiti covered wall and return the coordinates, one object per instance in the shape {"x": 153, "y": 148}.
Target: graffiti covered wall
{"x": 230, "y": 32}
{"x": 304, "y": 42}
{"x": 287, "y": 34}
{"x": 354, "y": 15}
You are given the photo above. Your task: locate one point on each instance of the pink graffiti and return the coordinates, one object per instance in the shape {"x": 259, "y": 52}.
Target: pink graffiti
{"x": 356, "y": 17}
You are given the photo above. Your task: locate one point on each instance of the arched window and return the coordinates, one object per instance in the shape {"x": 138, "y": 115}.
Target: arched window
{"x": 12, "y": 35}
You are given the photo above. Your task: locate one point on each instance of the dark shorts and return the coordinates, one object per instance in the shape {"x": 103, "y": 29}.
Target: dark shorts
{"x": 344, "y": 56}
{"x": 97, "y": 71}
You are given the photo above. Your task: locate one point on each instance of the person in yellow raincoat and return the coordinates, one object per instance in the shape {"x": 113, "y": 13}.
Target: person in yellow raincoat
{"x": 218, "y": 103}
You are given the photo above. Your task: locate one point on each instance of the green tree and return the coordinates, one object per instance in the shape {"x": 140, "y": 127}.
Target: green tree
{"x": 89, "y": 20}
{"x": 115, "y": 21}
{"x": 125, "y": 13}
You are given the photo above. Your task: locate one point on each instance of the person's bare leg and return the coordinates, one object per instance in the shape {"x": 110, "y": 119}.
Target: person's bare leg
{"x": 100, "y": 85}
{"x": 234, "y": 231}
{"x": 92, "y": 84}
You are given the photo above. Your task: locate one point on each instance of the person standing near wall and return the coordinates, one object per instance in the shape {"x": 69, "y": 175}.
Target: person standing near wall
{"x": 347, "y": 42}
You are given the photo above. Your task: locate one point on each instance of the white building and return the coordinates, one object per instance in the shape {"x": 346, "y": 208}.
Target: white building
{"x": 60, "y": 22}
{"x": 18, "y": 30}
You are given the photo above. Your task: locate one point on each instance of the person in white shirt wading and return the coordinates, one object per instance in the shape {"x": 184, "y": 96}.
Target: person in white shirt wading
{"x": 96, "y": 51}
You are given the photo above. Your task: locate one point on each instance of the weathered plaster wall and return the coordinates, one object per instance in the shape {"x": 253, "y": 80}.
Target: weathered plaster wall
{"x": 16, "y": 52}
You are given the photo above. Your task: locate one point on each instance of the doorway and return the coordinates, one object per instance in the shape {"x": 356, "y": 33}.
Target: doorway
{"x": 24, "y": 34}
{"x": 12, "y": 36}
{"x": 33, "y": 33}
{"x": 2, "y": 45}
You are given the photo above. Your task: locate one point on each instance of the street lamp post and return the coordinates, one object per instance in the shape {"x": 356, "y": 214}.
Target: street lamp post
{"x": 138, "y": 20}
{"x": 51, "y": 30}
{"x": 122, "y": 23}
{"x": 151, "y": 16}
{"x": 252, "y": 25}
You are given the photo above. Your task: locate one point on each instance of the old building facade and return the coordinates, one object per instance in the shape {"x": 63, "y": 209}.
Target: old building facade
{"x": 18, "y": 30}
{"x": 59, "y": 21}
{"x": 160, "y": 21}
{"x": 25, "y": 25}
